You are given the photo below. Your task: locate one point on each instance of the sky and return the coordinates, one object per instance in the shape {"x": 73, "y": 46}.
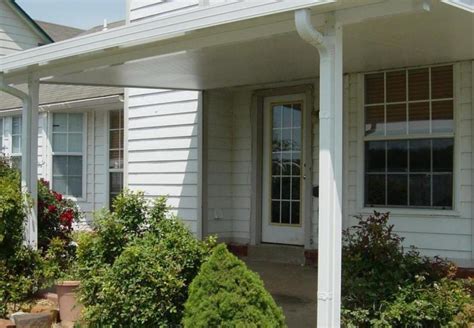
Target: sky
{"x": 77, "y": 13}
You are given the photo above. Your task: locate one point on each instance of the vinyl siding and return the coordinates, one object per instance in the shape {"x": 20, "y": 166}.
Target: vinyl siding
{"x": 144, "y": 9}
{"x": 447, "y": 234}
{"x": 15, "y": 35}
{"x": 163, "y": 148}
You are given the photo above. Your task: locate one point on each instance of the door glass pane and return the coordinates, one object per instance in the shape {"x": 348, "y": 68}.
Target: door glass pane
{"x": 374, "y": 121}
{"x": 286, "y": 139}
{"x": 396, "y": 86}
{"x": 296, "y": 139}
{"x": 295, "y": 163}
{"x": 286, "y": 163}
{"x": 420, "y": 189}
{"x": 295, "y": 212}
{"x": 420, "y": 155}
{"x": 396, "y": 119}
{"x": 287, "y": 112}
{"x": 285, "y": 188}
{"x": 296, "y": 115}
{"x": 276, "y": 164}
{"x": 276, "y": 190}
{"x": 275, "y": 217}
{"x": 442, "y": 82}
{"x": 285, "y": 212}
{"x": 295, "y": 188}
{"x": 419, "y": 118}
{"x": 276, "y": 140}
{"x": 442, "y": 116}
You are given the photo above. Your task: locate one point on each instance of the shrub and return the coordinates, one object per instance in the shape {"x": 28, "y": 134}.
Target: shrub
{"x": 227, "y": 294}
{"x": 377, "y": 269}
{"x": 136, "y": 266}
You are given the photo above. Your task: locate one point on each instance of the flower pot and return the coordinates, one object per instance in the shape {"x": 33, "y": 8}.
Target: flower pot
{"x": 69, "y": 308}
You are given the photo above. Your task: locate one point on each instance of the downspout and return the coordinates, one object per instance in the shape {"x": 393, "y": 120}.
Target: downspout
{"x": 31, "y": 233}
{"x": 329, "y": 47}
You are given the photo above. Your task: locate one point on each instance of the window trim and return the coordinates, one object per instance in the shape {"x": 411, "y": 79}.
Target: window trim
{"x": 362, "y": 138}
{"x": 108, "y": 170}
{"x": 3, "y": 147}
{"x": 51, "y": 153}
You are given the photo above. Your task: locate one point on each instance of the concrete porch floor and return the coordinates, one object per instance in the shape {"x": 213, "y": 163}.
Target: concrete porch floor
{"x": 293, "y": 287}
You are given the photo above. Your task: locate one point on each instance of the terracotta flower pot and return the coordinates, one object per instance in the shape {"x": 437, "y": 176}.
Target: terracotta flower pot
{"x": 69, "y": 308}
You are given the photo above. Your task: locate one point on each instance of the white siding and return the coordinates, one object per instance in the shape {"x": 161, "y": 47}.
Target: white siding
{"x": 163, "y": 148}
{"x": 143, "y": 9}
{"x": 15, "y": 35}
{"x": 447, "y": 234}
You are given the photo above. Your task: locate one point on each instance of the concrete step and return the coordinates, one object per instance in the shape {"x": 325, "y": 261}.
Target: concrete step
{"x": 277, "y": 253}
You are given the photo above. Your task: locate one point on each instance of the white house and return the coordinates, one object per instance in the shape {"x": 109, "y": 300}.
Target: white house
{"x": 278, "y": 121}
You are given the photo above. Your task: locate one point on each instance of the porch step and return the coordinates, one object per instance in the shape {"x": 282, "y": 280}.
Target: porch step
{"x": 277, "y": 254}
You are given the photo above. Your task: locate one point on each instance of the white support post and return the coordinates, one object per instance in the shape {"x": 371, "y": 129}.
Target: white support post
{"x": 29, "y": 161}
{"x": 329, "y": 46}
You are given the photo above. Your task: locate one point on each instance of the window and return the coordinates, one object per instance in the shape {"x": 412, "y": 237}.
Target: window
{"x": 115, "y": 153}
{"x": 409, "y": 138}
{"x": 67, "y": 143}
{"x": 16, "y": 142}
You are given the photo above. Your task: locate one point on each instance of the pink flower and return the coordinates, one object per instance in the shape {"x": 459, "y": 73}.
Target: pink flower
{"x": 52, "y": 208}
{"x": 58, "y": 196}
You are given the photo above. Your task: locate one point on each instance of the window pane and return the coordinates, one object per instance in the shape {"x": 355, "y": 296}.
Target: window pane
{"x": 16, "y": 125}
{"x": 443, "y": 190}
{"x": 59, "y": 142}
{"x": 59, "y": 185}
{"x": 397, "y": 189}
{"x": 375, "y": 189}
{"x": 420, "y": 155}
{"x": 295, "y": 163}
{"x": 374, "y": 120}
{"x": 115, "y": 159}
{"x": 442, "y": 116}
{"x": 275, "y": 212}
{"x": 295, "y": 212}
{"x": 285, "y": 188}
{"x": 419, "y": 118}
{"x": 396, "y": 86}
{"x": 374, "y": 88}
{"x": 285, "y": 212}
{"x": 420, "y": 188}
{"x": 59, "y": 166}
{"x": 16, "y": 144}
{"x": 396, "y": 119}
{"x": 397, "y": 156}
{"x": 295, "y": 188}
{"x": 296, "y": 139}
{"x": 443, "y": 155}
{"x": 75, "y": 165}
{"x": 75, "y": 186}
{"x": 418, "y": 84}
{"x": 75, "y": 143}
{"x": 375, "y": 156}
{"x": 276, "y": 140}
{"x": 442, "y": 82}
{"x": 59, "y": 122}
{"x": 115, "y": 140}
{"x": 276, "y": 164}
{"x": 16, "y": 162}
{"x": 75, "y": 122}
{"x": 285, "y": 139}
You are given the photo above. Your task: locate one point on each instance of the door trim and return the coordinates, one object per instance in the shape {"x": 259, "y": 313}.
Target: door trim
{"x": 256, "y": 115}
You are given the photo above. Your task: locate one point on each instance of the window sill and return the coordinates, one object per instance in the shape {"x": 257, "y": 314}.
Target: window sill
{"x": 76, "y": 199}
{"x": 421, "y": 212}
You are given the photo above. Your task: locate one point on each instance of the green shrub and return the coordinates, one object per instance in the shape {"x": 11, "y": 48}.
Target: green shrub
{"x": 376, "y": 269}
{"x": 227, "y": 294}
{"x": 136, "y": 265}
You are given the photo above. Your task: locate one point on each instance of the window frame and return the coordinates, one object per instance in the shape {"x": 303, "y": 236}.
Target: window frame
{"x": 107, "y": 148}
{"x": 363, "y": 139}
{"x": 2, "y": 134}
{"x": 52, "y": 153}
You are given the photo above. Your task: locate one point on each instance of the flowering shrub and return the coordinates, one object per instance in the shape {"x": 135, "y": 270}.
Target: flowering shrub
{"x": 56, "y": 215}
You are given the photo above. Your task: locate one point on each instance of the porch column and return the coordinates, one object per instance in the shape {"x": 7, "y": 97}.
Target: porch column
{"x": 29, "y": 160}
{"x": 329, "y": 46}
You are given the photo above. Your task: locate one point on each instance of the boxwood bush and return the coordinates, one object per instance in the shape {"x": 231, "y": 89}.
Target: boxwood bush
{"x": 137, "y": 264}
{"x": 226, "y": 293}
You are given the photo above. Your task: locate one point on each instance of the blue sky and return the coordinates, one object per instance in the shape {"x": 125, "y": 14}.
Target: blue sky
{"x": 77, "y": 13}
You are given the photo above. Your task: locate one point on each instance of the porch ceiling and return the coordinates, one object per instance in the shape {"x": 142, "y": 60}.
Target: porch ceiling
{"x": 268, "y": 49}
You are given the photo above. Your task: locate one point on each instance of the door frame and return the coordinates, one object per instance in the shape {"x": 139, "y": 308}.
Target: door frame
{"x": 257, "y": 124}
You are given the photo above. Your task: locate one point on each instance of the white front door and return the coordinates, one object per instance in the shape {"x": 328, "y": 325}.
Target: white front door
{"x": 283, "y": 172}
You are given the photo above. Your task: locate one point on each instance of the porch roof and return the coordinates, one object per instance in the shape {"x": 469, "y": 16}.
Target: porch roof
{"x": 248, "y": 43}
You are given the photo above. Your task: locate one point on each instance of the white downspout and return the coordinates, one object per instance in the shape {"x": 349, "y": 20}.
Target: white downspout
{"x": 329, "y": 46}
{"x": 29, "y": 149}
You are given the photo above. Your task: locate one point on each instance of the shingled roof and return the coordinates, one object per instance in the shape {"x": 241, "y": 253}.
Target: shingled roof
{"x": 59, "y": 32}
